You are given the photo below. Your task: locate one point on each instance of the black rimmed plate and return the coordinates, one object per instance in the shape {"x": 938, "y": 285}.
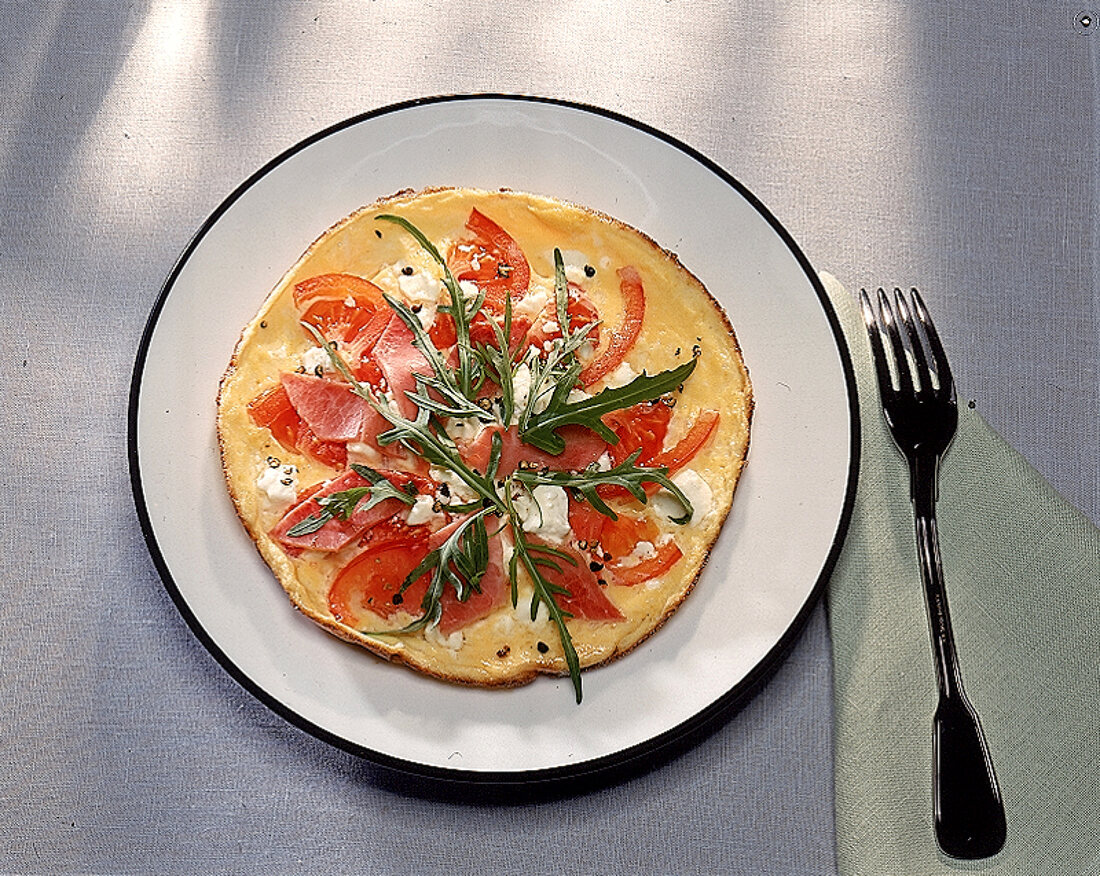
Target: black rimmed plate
{"x": 768, "y": 566}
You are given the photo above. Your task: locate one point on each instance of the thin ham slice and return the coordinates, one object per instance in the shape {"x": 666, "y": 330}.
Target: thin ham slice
{"x": 400, "y": 360}
{"x": 494, "y": 587}
{"x": 582, "y": 448}
{"x": 327, "y": 406}
{"x": 337, "y": 533}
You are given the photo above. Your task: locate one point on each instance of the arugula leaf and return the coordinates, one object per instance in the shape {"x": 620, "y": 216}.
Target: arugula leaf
{"x": 626, "y": 474}
{"x": 460, "y": 562}
{"x": 461, "y": 314}
{"x": 436, "y": 446}
{"x": 342, "y": 504}
{"x": 456, "y": 402}
{"x": 544, "y": 592}
{"x": 540, "y": 429}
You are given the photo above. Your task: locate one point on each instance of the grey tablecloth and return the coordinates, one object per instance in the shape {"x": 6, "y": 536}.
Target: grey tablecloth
{"x": 950, "y": 147}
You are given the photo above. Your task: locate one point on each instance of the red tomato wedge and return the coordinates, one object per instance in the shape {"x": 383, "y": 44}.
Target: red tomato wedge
{"x": 667, "y": 556}
{"x": 338, "y": 305}
{"x": 676, "y": 457}
{"x": 585, "y": 521}
{"x": 623, "y": 337}
{"x": 581, "y": 312}
{"x": 585, "y": 597}
{"x": 619, "y": 537}
{"x": 492, "y": 260}
{"x": 371, "y": 582}
{"x": 273, "y": 410}
{"x": 640, "y": 427}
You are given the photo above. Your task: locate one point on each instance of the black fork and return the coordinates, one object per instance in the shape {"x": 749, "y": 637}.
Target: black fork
{"x": 918, "y": 400}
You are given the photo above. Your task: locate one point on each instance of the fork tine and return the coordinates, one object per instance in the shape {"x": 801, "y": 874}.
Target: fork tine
{"x": 901, "y": 361}
{"x": 874, "y": 333}
{"x": 916, "y": 345}
{"x": 939, "y": 358}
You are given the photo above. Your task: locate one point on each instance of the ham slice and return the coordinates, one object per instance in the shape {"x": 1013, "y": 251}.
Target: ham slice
{"x": 493, "y": 587}
{"x": 584, "y": 597}
{"x": 400, "y": 360}
{"x": 582, "y": 448}
{"x": 328, "y": 407}
{"x": 336, "y": 533}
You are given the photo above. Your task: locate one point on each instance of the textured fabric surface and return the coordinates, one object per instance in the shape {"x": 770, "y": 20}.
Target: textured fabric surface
{"x": 1023, "y": 584}
{"x": 952, "y": 146}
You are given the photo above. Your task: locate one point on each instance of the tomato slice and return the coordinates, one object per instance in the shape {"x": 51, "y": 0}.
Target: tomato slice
{"x": 667, "y": 556}
{"x": 684, "y": 451}
{"x": 272, "y": 410}
{"x": 621, "y": 536}
{"x": 640, "y": 427}
{"x": 623, "y": 337}
{"x": 586, "y": 522}
{"x": 338, "y": 305}
{"x": 371, "y": 583}
{"x": 581, "y": 312}
{"x": 492, "y": 260}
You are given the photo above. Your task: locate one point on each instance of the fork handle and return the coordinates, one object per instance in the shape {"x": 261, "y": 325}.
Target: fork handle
{"x": 969, "y": 813}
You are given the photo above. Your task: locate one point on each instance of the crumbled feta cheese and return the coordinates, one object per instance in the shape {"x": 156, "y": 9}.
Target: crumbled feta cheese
{"x": 643, "y": 550}
{"x": 577, "y": 394}
{"x": 313, "y": 358}
{"x": 421, "y": 291}
{"x": 521, "y": 389}
{"x": 469, "y": 289}
{"x": 278, "y": 484}
{"x": 452, "y": 642}
{"x": 464, "y": 428}
{"x": 551, "y": 326}
{"x": 532, "y": 304}
{"x": 574, "y": 262}
{"x": 422, "y": 510}
{"x": 696, "y": 489}
{"x": 545, "y": 512}
{"x": 621, "y": 376}
{"x": 460, "y": 491}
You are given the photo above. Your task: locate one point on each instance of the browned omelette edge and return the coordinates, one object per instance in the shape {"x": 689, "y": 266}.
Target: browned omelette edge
{"x": 377, "y": 644}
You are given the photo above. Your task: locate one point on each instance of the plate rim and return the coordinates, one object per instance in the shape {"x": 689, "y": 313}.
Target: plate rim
{"x": 595, "y": 769}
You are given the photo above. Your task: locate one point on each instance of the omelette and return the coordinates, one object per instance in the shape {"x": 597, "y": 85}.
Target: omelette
{"x": 486, "y": 434}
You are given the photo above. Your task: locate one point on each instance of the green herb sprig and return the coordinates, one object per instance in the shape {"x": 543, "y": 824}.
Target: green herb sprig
{"x": 342, "y": 504}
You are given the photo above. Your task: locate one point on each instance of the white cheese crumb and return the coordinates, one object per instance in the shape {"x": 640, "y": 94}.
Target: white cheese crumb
{"x": 604, "y": 462}
{"x": 461, "y": 492}
{"x": 314, "y": 357}
{"x": 278, "y": 484}
{"x": 532, "y": 304}
{"x": 452, "y": 642}
{"x": 545, "y": 513}
{"x": 621, "y": 376}
{"x": 421, "y": 291}
{"x": 574, "y": 262}
{"x": 696, "y": 489}
{"x": 422, "y": 510}
{"x": 643, "y": 550}
{"x": 469, "y": 289}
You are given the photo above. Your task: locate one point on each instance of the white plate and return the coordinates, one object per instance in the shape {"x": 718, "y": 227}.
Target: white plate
{"x": 782, "y": 537}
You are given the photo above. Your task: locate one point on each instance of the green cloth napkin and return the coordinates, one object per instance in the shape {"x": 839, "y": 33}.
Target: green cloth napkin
{"x": 1023, "y": 584}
